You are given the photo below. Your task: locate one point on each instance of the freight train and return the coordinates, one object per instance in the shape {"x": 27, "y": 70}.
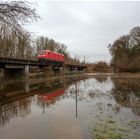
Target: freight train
{"x": 45, "y": 56}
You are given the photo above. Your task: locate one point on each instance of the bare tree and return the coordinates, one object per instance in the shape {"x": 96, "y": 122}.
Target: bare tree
{"x": 125, "y": 51}
{"x": 16, "y": 13}
{"x": 12, "y": 45}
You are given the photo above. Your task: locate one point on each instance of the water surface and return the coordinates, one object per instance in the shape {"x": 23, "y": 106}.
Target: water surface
{"x": 87, "y": 108}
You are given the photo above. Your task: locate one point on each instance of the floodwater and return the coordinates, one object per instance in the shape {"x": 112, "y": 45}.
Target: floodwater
{"x": 76, "y": 108}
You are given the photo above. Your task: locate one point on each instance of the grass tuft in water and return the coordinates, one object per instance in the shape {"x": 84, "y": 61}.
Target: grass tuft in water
{"x": 107, "y": 130}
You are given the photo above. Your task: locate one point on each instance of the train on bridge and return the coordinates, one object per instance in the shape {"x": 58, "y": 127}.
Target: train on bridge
{"x": 47, "y": 60}
{"x": 46, "y": 55}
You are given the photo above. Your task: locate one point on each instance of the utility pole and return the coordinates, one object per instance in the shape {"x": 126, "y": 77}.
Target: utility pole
{"x": 84, "y": 59}
{"x": 76, "y": 103}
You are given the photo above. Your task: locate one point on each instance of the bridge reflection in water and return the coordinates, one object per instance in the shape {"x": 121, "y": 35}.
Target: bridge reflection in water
{"x": 70, "y": 108}
{"x": 48, "y": 98}
{"x": 16, "y": 99}
{"x": 20, "y": 106}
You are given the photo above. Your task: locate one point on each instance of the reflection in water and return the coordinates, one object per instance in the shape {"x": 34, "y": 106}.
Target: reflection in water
{"x": 16, "y": 100}
{"x": 101, "y": 79}
{"x": 48, "y": 98}
{"x": 10, "y": 109}
{"x": 127, "y": 93}
{"x": 21, "y": 108}
{"x": 91, "y": 108}
{"x": 88, "y": 89}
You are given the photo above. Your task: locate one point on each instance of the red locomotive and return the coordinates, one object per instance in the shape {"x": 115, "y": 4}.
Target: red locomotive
{"x": 46, "y": 55}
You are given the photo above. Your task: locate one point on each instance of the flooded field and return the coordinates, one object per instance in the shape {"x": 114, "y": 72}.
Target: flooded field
{"x": 71, "y": 108}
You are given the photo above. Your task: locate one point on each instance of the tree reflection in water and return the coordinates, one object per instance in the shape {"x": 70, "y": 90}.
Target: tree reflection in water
{"x": 21, "y": 108}
{"x": 126, "y": 92}
{"x": 106, "y": 96}
{"x": 18, "y": 103}
{"x": 116, "y": 105}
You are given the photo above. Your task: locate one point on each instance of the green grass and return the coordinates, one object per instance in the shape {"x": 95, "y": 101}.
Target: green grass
{"x": 107, "y": 130}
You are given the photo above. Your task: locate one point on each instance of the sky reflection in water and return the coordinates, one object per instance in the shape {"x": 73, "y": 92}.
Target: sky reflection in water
{"x": 88, "y": 108}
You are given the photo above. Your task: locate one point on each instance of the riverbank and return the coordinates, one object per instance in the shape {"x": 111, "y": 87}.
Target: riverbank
{"x": 114, "y": 75}
{"x": 62, "y": 77}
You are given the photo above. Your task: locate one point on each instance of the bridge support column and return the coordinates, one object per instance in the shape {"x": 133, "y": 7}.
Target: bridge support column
{"x": 27, "y": 89}
{"x": 26, "y": 72}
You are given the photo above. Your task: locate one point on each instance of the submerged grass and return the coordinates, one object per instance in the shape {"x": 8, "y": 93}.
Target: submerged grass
{"x": 108, "y": 130}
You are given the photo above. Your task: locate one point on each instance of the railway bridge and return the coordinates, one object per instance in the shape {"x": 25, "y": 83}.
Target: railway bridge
{"x": 20, "y": 68}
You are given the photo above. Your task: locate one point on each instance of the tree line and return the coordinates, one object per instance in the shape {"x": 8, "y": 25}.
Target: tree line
{"x": 15, "y": 41}
{"x": 125, "y": 52}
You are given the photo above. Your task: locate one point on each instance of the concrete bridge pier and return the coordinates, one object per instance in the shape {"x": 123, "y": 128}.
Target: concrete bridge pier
{"x": 26, "y": 86}
{"x": 14, "y": 73}
{"x": 26, "y": 72}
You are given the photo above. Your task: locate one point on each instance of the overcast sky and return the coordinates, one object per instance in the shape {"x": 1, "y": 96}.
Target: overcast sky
{"x": 86, "y": 27}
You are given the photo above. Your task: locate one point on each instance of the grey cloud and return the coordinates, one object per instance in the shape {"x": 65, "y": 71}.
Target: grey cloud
{"x": 86, "y": 27}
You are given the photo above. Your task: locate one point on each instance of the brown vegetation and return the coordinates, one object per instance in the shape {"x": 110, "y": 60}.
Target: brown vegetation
{"x": 16, "y": 42}
{"x": 100, "y": 66}
{"x": 125, "y": 52}
{"x": 12, "y": 45}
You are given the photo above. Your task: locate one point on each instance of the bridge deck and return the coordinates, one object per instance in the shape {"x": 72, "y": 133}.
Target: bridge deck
{"x": 17, "y": 61}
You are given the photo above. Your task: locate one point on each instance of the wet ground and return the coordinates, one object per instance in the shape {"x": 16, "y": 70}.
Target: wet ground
{"x": 71, "y": 108}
